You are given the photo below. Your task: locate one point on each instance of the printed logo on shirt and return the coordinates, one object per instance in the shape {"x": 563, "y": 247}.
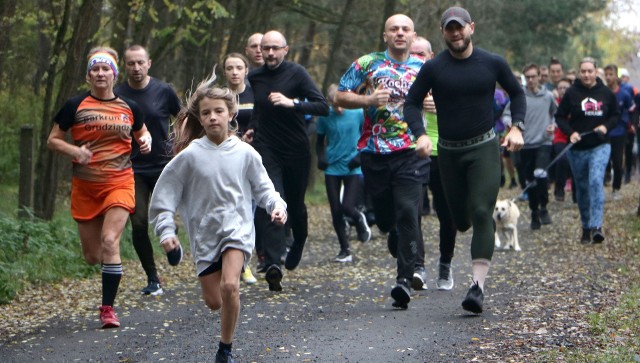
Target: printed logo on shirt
{"x": 592, "y": 107}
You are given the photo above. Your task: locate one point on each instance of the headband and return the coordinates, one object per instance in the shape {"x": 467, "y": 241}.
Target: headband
{"x": 102, "y": 57}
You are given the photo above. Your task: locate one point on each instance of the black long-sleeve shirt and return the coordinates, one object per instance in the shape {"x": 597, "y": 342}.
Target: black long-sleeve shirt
{"x": 463, "y": 92}
{"x": 583, "y": 109}
{"x": 282, "y": 129}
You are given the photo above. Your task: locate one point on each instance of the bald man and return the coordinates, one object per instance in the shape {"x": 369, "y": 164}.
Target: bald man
{"x": 394, "y": 154}
{"x": 284, "y": 92}
{"x": 421, "y": 47}
{"x": 253, "y": 52}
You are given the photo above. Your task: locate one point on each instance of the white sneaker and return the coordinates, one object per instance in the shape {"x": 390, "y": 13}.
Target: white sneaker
{"x": 445, "y": 277}
{"x": 615, "y": 195}
{"x": 344, "y": 256}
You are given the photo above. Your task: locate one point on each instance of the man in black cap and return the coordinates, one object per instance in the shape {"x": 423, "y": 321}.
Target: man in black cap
{"x": 463, "y": 81}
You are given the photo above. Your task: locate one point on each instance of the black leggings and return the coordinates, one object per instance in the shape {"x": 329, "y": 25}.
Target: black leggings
{"x": 351, "y": 195}
{"x": 140, "y": 224}
{"x": 448, "y": 231}
{"x": 615, "y": 162}
{"x": 471, "y": 180}
{"x": 290, "y": 178}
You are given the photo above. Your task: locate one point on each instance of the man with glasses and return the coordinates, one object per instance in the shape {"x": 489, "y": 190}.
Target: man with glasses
{"x": 284, "y": 92}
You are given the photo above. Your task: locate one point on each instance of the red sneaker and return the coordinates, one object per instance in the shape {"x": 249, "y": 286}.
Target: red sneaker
{"x": 108, "y": 317}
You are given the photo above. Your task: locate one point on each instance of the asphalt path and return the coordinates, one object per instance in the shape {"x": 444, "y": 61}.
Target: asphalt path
{"x": 328, "y": 312}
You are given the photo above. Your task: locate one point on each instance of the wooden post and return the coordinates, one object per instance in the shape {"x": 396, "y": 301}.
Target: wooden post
{"x": 25, "y": 188}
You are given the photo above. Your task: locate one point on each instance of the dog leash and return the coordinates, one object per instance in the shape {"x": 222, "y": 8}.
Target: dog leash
{"x": 533, "y": 183}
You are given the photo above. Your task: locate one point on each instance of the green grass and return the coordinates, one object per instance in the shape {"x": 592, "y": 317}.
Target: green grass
{"x": 37, "y": 252}
{"x": 617, "y": 328}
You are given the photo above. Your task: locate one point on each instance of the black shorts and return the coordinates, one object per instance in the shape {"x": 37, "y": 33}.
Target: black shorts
{"x": 215, "y": 267}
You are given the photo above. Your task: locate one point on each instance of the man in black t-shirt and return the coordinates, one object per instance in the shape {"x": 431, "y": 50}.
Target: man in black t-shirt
{"x": 284, "y": 93}
{"x": 158, "y": 102}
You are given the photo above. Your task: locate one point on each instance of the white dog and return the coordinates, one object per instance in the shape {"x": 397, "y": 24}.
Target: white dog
{"x": 506, "y": 214}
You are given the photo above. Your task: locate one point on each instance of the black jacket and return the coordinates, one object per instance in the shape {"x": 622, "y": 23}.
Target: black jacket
{"x": 583, "y": 109}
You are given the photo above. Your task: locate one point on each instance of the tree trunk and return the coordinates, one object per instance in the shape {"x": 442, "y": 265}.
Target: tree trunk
{"x": 337, "y": 44}
{"x": 389, "y": 9}
{"x": 7, "y": 11}
{"x": 305, "y": 55}
{"x": 86, "y": 25}
{"x": 44, "y": 46}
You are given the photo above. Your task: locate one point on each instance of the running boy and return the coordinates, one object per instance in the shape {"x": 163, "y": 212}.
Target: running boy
{"x": 210, "y": 183}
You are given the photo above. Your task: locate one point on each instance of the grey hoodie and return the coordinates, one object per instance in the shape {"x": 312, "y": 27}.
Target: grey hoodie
{"x": 211, "y": 187}
{"x": 541, "y": 107}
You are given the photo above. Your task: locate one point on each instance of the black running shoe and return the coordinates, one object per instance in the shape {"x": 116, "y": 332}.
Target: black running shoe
{"x": 274, "y": 278}
{"x": 224, "y": 356}
{"x": 401, "y": 294}
{"x": 545, "y": 218}
{"x": 364, "y": 232}
{"x": 535, "y": 220}
{"x": 419, "y": 280}
{"x": 473, "y": 301}
{"x": 596, "y": 235}
{"x": 586, "y": 236}
{"x": 294, "y": 256}
{"x": 174, "y": 256}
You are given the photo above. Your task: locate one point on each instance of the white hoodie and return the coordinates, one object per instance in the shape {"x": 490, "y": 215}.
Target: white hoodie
{"x": 211, "y": 187}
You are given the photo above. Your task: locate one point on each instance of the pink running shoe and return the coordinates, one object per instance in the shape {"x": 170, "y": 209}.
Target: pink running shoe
{"x": 108, "y": 317}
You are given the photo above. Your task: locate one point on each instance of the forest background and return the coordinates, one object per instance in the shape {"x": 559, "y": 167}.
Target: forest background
{"x": 43, "y": 45}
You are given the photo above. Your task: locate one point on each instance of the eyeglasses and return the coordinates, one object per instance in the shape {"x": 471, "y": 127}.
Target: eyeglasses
{"x": 267, "y": 48}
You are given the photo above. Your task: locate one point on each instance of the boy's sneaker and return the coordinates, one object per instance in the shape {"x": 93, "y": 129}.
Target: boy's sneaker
{"x": 247, "y": 276}
{"x": 445, "y": 276}
{"x": 586, "y": 236}
{"x": 174, "y": 256}
{"x": 401, "y": 294}
{"x": 224, "y": 356}
{"x": 343, "y": 256}
{"x": 274, "y": 278}
{"x": 108, "y": 317}
{"x": 153, "y": 288}
{"x": 473, "y": 301}
{"x": 596, "y": 235}
{"x": 419, "y": 281}
{"x": 545, "y": 218}
{"x": 364, "y": 232}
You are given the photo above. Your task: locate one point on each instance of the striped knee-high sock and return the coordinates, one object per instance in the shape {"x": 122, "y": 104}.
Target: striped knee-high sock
{"x": 111, "y": 275}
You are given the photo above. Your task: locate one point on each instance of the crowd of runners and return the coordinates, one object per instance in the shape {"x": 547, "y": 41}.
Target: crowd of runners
{"x": 234, "y": 161}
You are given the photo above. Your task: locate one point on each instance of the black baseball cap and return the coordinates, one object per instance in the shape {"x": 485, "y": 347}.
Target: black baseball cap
{"x": 457, "y": 14}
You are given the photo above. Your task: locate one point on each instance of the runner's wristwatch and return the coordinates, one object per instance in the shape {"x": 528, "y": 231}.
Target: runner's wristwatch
{"x": 518, "y": 124}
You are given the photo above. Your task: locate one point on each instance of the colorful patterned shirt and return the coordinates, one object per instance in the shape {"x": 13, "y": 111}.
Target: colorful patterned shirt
{"x": 385, "y": 130}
